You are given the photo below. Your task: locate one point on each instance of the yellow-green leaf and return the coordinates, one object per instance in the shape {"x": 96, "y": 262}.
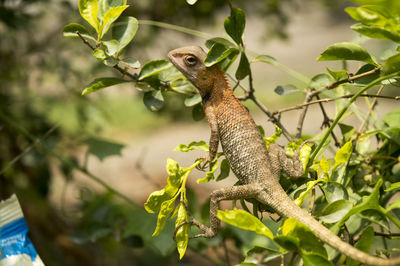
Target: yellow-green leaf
{"x": 88, "y": 10}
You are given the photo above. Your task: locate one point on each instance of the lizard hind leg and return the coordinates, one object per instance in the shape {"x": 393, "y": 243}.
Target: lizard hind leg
{"x": 229, "y": 193}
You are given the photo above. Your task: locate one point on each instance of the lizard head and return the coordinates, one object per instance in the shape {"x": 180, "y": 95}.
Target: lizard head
{"x": 190, "y": 61}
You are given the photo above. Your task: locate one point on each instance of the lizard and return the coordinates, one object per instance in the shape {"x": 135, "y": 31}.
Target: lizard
{"x": 257, "y": 168}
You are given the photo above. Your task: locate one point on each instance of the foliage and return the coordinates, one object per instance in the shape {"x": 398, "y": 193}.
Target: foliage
{"x": 358, "y": 175}
{"x": 351, "y": 182}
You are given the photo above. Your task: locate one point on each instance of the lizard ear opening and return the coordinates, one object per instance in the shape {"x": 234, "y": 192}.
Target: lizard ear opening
{"x": 190, "y": 60}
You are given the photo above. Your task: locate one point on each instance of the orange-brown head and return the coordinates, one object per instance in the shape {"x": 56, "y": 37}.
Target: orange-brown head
{"x": 190, "y": 61}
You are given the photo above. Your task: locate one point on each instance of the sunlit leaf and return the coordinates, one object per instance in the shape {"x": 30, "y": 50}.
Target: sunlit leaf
{"x": 343, "y": 154}
{"x": 217, "y": 53}
{"x": 392, "y": 64}
{"x": 210, "y": 174}
{"x": 165, "y": 211}
{"x": 131, "y": 62}
{"x": 244, "y": 220}
{"x": 223, "y": 41}
{"x": 394, "y": 186}
{"x": 192, "y": 100}
{"x": 102, "y": 83}
{"x": 71, "y": 29}
{"x": 346, "y": 51}
{"x": 110, "y": 16}
{"x": 123, "y": 30}
{"x": 105, "y": 5}
{"x": 194, "y": 145}
{"x": 88, "y": 10}
{"x": 338, "y": 75}
{"x": 99, "y": 54}
{"x": 154, "y": 67}
{"x": 265, "y": 59}
{"x": 182, "y": 234}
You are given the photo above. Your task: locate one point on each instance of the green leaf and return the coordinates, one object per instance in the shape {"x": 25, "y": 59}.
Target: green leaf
{"x": 320, "y": 81}
{"x": 338, "y": 75}
{"x": 71, "y": 29}
{"x": 102, "y": 83}
{"x": 334, "y": 191}
{"x": 244, "y": 220}
{"x": 347, "y": 131}
{"x": 210, "y": 42}
{"x": 175, "y": 173}
{"x": 99, "y": 54}
{"x": 224, "y": 170}
{"x": 303, "y": 195}
{"x": 182, "y": 234}
{"x": 370, "y": 202}
{"x": 343, "y": 154}
{"x": 123, "y": 30}
{"x": 192, "y": 100}
{"x": 335, "y": 211}
{"x": 153, "y": 100}
{"x": 131, "y": 62}
{"x": 308, "y": 242}
{"x": 111, "y": 47}
{"x": 364, "y": 244}
{"x": 105, "y": 5}
{"x": 217, "y": 53}
{"x": 286, "y": 89}
{"x": 315, "y": 260}
{"x": 375, "y": 217}
{"x": 392, "y": 64}
{"x": 235, "y": 23}
{"x": 198, "y": 112}
{"x": 394, "y": 205}
{"x": 376, "y": 32}
{"x": 194, "y": 145}
{"x": 156, "y": 198}
{"x": 392, "y": 119}
{"x": 346, "y": 51}
{"x": 394, "y": 186}
{"x": 166, "y": 209}
{"x": 109, "y": 17}
{"x": 88, "y": 10}
{"x": 243, "y": 69}
{"x": 102, "y": 148}
{"x": 110, "y": 61}
{"x": 154, "y": 67}
{"x": 265, "y": 59}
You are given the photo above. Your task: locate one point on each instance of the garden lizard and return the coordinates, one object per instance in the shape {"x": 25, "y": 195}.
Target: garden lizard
{"x": 257, "y": 167}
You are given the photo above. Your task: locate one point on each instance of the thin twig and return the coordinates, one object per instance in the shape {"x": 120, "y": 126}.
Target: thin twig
{"x": 300, "y": 123}
{"x": 249, "y": 95}
{"x": 349, "y": 80}
{"x": 117, "y": 67}
{"x": 27, "y": 149}
{"x": 326, "y": 122}
{"x": 325, "y": 100}
{"x": 373, "y": 104}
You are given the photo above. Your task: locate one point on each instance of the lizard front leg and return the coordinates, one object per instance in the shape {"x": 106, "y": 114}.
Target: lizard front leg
{"x": 230, "y": 193}
{"x": 214, "y": 140}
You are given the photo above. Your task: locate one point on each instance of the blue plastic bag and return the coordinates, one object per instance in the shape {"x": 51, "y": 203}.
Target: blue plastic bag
{"x": 16, "y": 249}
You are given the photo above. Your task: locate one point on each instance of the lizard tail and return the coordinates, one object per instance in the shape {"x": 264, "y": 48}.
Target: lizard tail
{"x": 278, "y": 200}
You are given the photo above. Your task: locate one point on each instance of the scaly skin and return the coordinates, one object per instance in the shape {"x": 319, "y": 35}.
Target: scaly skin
{"x": 257, "y": 168}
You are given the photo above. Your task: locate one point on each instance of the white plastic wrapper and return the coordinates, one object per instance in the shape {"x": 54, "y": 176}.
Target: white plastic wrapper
{"x": 16, "y": 249}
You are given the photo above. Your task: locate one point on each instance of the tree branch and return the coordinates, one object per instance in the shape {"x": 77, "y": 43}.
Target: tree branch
{"x": 123, "y": 71}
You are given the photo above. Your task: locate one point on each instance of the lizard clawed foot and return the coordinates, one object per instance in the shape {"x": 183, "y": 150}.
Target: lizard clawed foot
{"x": 303, "y": 143}
{"x": 203, "y": 165}
{"x": 207, "y": 232}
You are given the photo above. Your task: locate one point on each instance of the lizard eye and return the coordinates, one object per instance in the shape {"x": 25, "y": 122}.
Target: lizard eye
{"x": 190, "y": 60}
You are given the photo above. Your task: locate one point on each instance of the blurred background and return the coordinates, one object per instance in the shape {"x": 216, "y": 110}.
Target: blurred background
{"x": 50, "y": 127}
